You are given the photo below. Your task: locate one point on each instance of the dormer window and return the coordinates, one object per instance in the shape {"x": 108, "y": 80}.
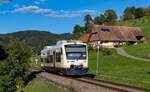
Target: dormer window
{"x": 105, "y": 29}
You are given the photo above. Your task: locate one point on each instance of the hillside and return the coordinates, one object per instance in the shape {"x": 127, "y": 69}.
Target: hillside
{"x": 143, "y": 23}
{"x": 37, "y": 39}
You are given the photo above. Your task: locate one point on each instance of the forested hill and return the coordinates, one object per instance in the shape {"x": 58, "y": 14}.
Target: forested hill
{"x": 37, "y": 39}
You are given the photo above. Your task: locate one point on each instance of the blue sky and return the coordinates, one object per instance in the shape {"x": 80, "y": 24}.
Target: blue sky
{"x": 56, "y": 16}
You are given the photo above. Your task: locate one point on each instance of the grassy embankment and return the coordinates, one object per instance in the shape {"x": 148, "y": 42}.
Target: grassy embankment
{"x": 141, "y": 50}
{"x": 120, "y": 69}
{"x": 39, "y": 85}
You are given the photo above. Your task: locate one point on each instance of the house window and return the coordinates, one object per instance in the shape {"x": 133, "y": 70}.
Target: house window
{"x": 139, "y": 37}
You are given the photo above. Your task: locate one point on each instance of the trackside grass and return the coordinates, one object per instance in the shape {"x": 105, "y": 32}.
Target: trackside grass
{"x": 35, "y": 61}
{"x": 39, "y": 85}
{"x": 120, "y": 69}
{"x": 141, "y": 50}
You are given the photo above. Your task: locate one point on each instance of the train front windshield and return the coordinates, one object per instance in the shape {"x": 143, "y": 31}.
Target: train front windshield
{"x": 76, "y": 52}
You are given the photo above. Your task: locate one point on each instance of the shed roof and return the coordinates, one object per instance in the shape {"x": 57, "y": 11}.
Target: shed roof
{"x": 86, "y": 37}
{"x": 115, "y": 33}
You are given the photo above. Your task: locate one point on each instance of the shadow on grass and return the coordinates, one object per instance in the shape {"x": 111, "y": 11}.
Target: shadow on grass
{"x": 148, "y": 72}
{"x": 80, "y": 76}
{"x": 90, "y": 75}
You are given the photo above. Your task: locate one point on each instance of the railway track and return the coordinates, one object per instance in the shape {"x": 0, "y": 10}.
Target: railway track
{"x": 111, "y": 85}
{"x": 86, "y": 84}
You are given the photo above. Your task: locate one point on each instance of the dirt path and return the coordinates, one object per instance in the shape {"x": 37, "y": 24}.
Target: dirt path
{"x": 122, "y": 52}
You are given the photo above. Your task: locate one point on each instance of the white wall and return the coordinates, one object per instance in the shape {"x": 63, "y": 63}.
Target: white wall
{"x": 106, "y": 44}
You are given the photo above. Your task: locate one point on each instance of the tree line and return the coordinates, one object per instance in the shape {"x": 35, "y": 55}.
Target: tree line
{"x": 135, "y": 13}
{"x": 109, "y": 17}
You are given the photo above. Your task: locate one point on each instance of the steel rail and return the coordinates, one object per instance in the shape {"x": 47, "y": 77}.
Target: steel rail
{"x": 112, "y": 85}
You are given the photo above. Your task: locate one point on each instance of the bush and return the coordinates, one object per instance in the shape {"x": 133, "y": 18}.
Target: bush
{"x": 15, "y": 66}
{"x": 106, "y": 51}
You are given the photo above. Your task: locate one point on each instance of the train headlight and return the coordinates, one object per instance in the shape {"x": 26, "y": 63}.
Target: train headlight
{"x": 81, "y": 66}
{"x": 72, "y": 66}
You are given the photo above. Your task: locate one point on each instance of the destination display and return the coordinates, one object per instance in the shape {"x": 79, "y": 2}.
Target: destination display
{"x": 75, "y": 49}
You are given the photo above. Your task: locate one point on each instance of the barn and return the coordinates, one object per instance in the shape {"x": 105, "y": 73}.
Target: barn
{"x": 113, "y": 36}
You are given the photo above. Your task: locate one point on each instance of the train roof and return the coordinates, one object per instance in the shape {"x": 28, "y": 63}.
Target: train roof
{"x": 60, "y": 43}
{"x": 68, "y": 41}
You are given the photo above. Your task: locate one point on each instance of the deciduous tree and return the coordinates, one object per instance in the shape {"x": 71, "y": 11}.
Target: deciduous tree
{"x": 99, "y": 19}
{"x": 88, "y": 22}
{"x": 139, "y": 12}
{"x": 129, "y": 13}
{"x": 110, "y": 16}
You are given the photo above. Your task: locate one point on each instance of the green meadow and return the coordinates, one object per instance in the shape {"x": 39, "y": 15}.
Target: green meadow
{"x": 120, "y": 69}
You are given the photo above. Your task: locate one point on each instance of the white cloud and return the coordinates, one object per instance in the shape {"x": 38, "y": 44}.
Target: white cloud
{"x": 50, "y": 12}
{"x": 32, "y": 9}
{"x": 69, "y": 14}
{"x": 39, "y": 1}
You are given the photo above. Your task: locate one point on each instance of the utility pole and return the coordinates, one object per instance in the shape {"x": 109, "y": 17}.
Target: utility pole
{"x": 97, "y": 68}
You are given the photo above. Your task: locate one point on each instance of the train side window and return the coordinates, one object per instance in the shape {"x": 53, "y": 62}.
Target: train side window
{"x": 46, "y": 60}
{"x": 58, "y": 57}
{"x": 61, "y": 51}
{"x": 50, "y": 59}
{"x": 48, "y": 53}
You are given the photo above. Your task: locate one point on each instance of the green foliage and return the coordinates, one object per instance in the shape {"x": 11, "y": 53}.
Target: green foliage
{"x": 110, "y": 16}
{"x": 129, "y": 13}
{"x": 100, "y": 19}
{"x": 88, "y": 22}
{"x": 147, "y": 11}
{"x": 106, "y": 51}
{"x": 135, "y": 13}
{"x": 13, "y": 70}
{"x": 77, "y": 31}
{"x": 139, "y": 12}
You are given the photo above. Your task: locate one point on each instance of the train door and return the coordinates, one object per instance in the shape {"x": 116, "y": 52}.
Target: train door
{"x": 58, "y": 60}
{"x": 54, "y": 61}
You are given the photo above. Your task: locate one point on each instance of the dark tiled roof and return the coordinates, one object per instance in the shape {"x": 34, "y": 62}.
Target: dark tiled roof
{"x": 115, "y": 33}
